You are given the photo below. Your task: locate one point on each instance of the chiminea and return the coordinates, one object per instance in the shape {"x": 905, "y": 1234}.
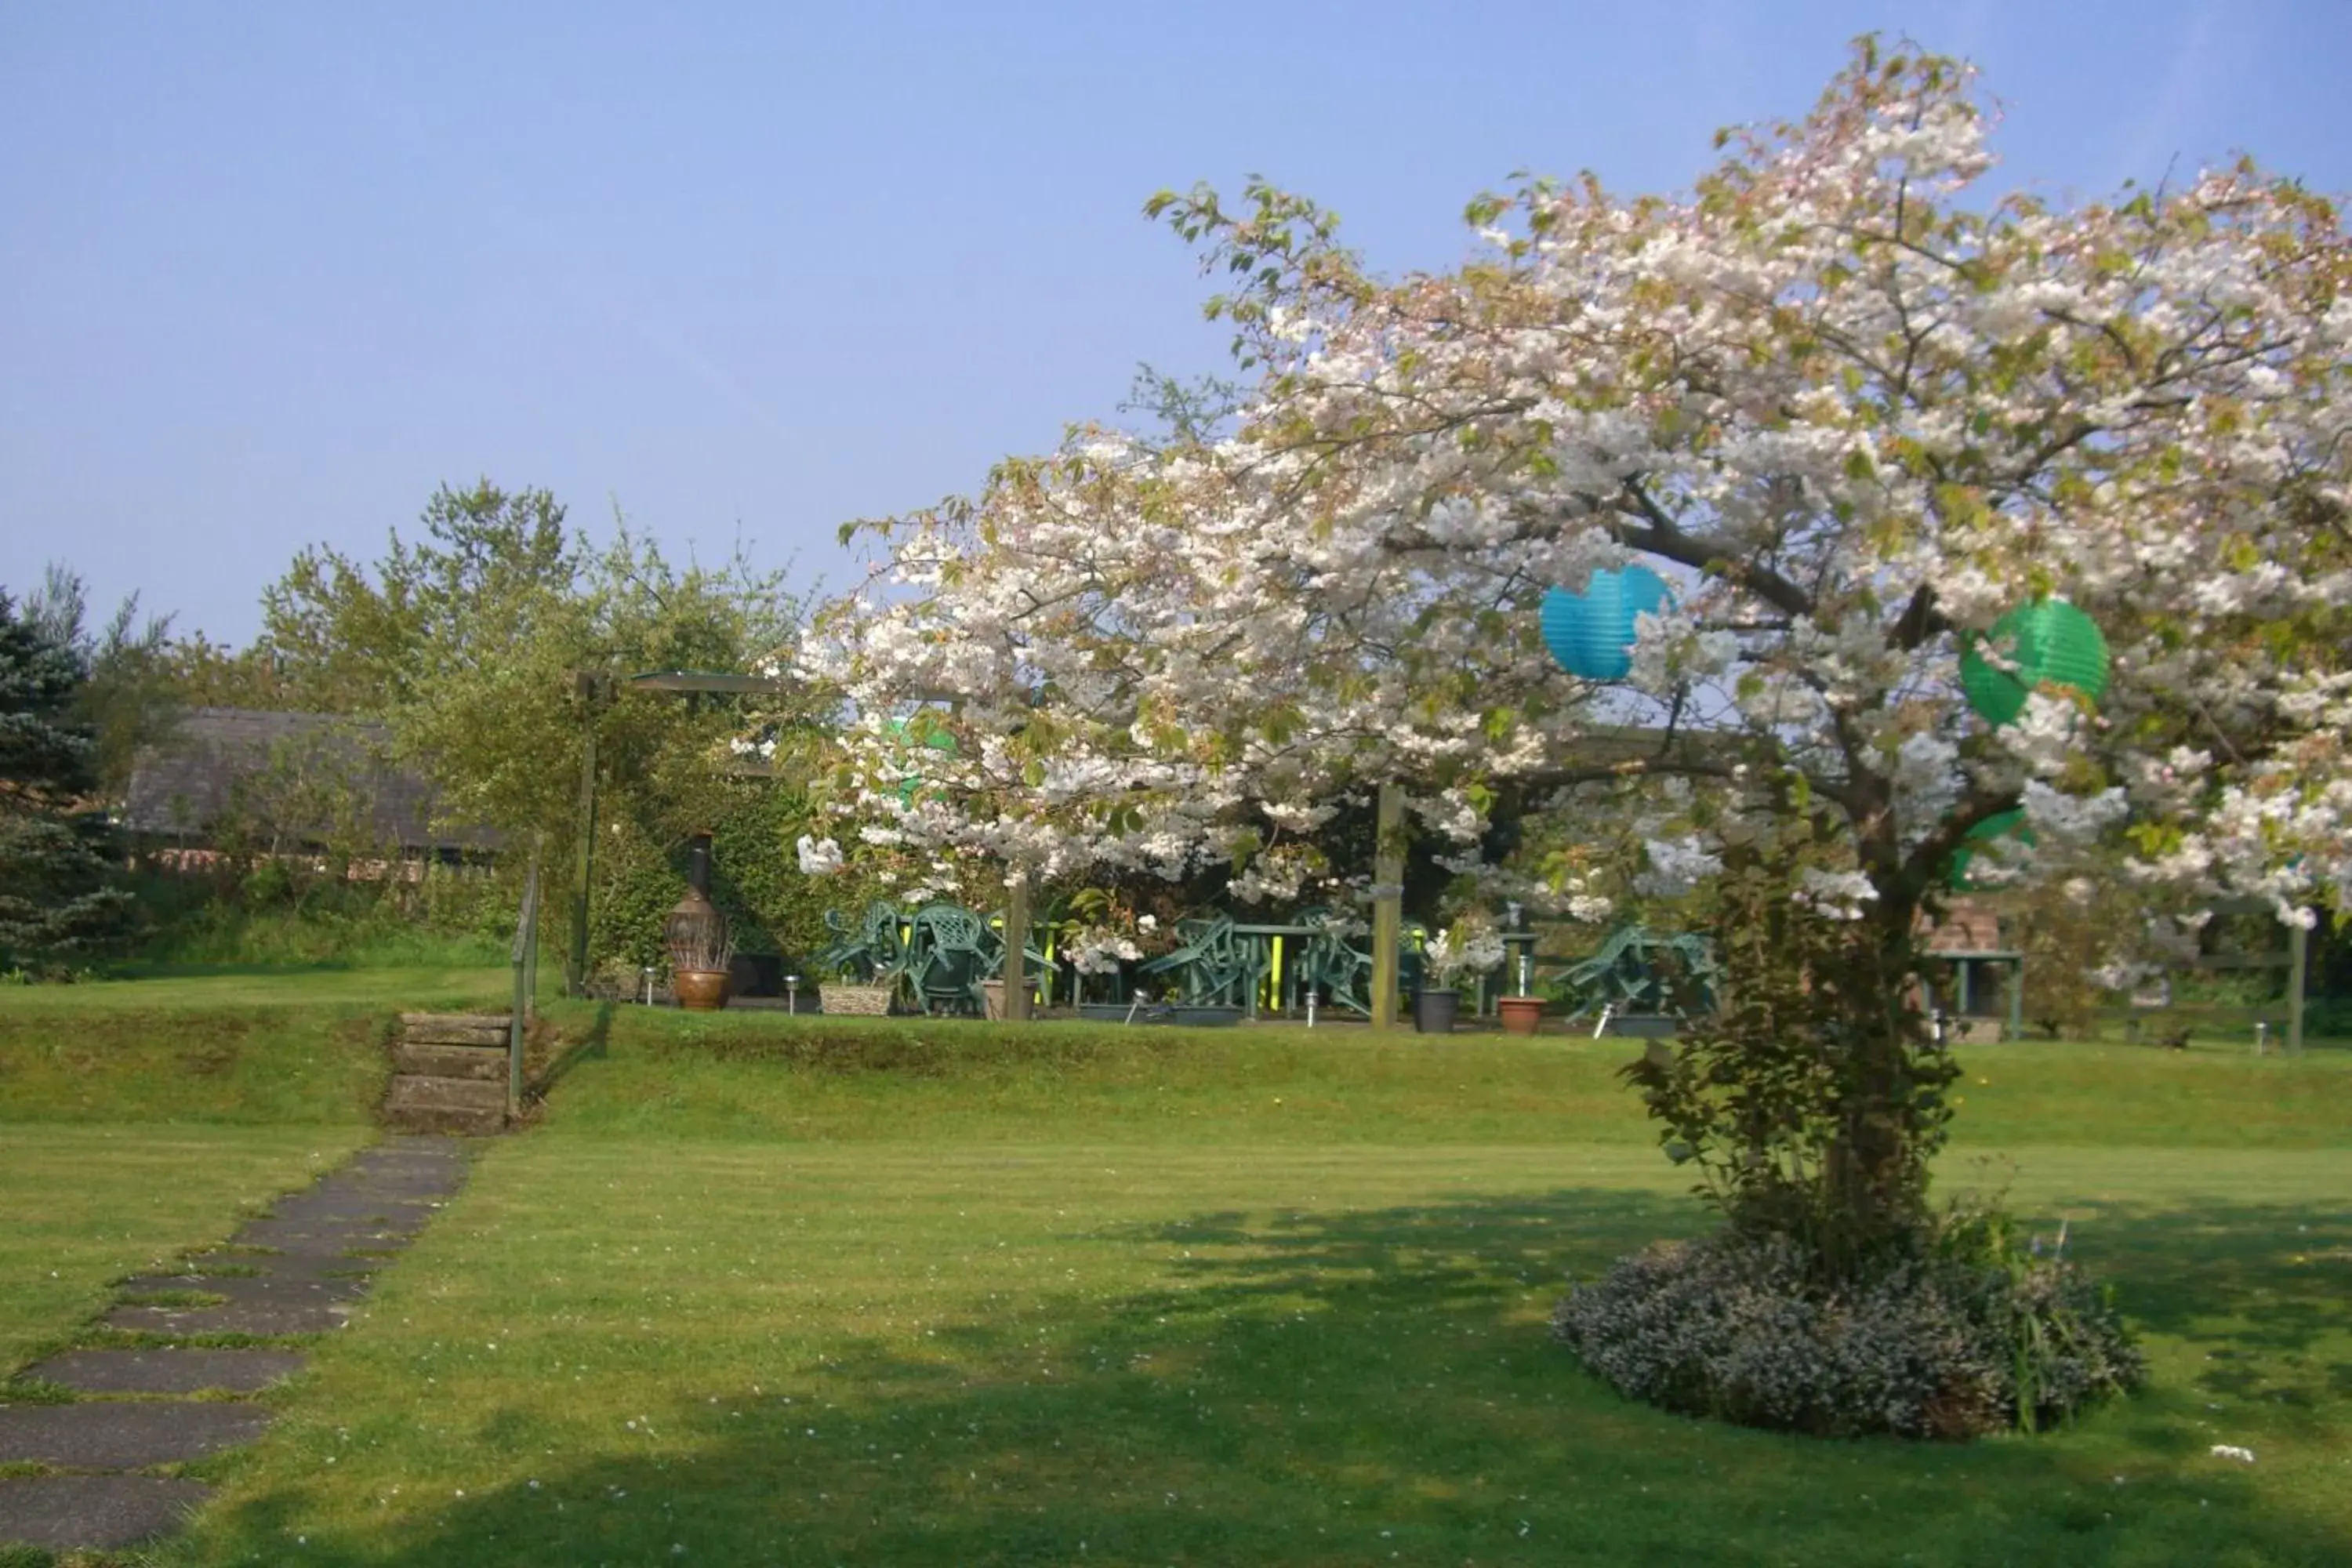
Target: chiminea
{"x": 696, "y": 935}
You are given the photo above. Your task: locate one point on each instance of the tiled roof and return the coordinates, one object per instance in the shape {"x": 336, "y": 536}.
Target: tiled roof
{"x": 182, "y": 787}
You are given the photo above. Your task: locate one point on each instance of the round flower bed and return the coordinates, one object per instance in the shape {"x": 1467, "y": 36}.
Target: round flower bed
{"x": 1949, "y": 1343}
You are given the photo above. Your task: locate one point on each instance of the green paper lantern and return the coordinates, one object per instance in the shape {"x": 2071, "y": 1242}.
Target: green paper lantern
{"x": 2052, "y": 643}
{"x": 930, "y": 735}
{"x": 2005, "y": 825}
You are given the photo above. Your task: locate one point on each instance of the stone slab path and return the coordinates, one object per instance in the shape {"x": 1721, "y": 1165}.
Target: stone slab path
{"x": 297, "y": 1271}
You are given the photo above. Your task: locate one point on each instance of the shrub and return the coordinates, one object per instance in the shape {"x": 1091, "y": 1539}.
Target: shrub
{"x": 1962, "y": 1337}
{"x": 2328, "y": 1018}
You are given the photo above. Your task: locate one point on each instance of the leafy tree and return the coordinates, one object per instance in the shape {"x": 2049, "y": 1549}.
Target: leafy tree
{"x": 494, "y": 644}
{"x": 201, "y": 673}
{"x": 345, "y": 637}
{"x": 1852, "y": 418}
{"x": 58, "y": 903}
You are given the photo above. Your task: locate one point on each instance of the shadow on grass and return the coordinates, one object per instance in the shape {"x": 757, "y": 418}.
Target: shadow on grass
{"x": 1357, "y": 1387}
{"x": 594, "y": 1046}
{"x": 2263, "y": 1296}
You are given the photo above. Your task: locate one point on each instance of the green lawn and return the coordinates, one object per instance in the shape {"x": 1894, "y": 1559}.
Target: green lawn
{"x": 83, "y": 1206}
{"x": 764, "y": 1292}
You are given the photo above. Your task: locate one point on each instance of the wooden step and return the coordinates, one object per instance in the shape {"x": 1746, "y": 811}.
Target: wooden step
{"x": 447, "y": 1120}
{"x": 453, "y": 1028}
{"x": 417, "y": 1091}
{"x": 417, "y": 1103}
{"x": 450, "y": 1061}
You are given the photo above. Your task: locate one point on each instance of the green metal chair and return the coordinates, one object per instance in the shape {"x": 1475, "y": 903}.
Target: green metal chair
{"x": 1332, "y": 966}
{"x": 870, "y": 947}
{"x": 1637, "y": 970}
{"x": 949, "y": 955}
{"x": 1211, "y": 966}
{"x": 1341, "y": 971}
{"x": 991, "y": 941}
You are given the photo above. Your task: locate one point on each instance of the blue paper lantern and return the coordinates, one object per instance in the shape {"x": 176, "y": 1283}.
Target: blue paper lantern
{"x": 1591, "y": 633}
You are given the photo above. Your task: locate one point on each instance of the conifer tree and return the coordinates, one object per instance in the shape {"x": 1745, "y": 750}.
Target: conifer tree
{"x": 59, "y": 904}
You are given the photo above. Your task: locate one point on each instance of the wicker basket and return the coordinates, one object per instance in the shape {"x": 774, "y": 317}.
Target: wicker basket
{"x": 871, "y": 1000}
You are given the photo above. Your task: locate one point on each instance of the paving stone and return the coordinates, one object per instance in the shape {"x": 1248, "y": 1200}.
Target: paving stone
{"x": 92, "y": 1513}
{"x": 408, "y": 1154}
{"x": 124, "y": 1434}
{"x": 250, "y": 1290}
{"x": 279, "y": 1266}
{"x": 164, "y": 1370}
{"x": 433, "y": 1186}
{"x": 361, "y": 1211}
{"x": 405, "y": 1191}
{"x": 237, "y": 1318}
{"x": 317, "y": 1239}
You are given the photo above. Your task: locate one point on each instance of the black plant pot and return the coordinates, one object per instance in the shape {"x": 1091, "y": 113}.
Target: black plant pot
{"x": 1433, "y": 1011}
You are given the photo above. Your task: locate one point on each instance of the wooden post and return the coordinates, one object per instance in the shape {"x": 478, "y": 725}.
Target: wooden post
{"x": 514, "y": 1045}
{"x": 518, "y": 1014}
{"x": 2298, "y": 965}
{"x": 1016, "y": 949}
{"x": 575, "y": 969}
{"x": 530, "y": 952}
{"x": 1388, "y": 904}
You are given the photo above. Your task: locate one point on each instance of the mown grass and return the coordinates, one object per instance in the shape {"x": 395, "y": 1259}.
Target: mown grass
{"x": 82, "y": 1206}
{"x": 760, "y": 1291}
{"x": 905, "y": 1354}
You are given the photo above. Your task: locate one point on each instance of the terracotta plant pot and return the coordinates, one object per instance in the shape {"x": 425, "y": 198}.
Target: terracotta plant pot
{"x": 992, "y": 996}
{"x": 701, "y": 990}
{"x": 1521, "y": 1015}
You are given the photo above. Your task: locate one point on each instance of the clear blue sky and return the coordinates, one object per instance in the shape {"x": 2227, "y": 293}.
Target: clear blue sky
{"x": 269, "y": 273}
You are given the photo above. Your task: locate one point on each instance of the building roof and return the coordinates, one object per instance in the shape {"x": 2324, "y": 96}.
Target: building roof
{"x": 294, "y": 763}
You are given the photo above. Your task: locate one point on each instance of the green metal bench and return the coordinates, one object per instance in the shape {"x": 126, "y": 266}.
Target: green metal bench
{"x": 870, "y": 947}
{"x": 1212, "y": 965}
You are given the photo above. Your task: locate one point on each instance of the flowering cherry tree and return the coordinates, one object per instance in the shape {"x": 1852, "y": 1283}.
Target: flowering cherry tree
{"x": 1852, "y": 415}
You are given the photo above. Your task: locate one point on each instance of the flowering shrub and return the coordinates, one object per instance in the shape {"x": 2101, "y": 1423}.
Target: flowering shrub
{"x": 1104, "y": 931}
{"x": 1096, "y": 950}
{"x": 1949, "y": 1341}
{"x": 1463, "y": 946}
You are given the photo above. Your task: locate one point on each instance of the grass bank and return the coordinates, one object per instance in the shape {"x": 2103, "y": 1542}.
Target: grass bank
{"x": 305, "y": 1048}
{"x": 761, "y": 1076}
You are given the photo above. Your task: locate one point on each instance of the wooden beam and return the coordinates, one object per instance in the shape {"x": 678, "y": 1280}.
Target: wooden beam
{"x": 706, "y": 681}
{"x": 1016, "y": 951}
{"x": 583, "y": 866}
{"x": 1388, "y": 904}
{"x": 2298, "y": 968}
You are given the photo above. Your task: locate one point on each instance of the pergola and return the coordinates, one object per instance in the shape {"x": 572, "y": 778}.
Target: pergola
{"x": 694, "y": 685}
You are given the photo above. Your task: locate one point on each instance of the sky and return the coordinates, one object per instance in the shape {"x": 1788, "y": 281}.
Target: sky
{"x": 271, "y": 273}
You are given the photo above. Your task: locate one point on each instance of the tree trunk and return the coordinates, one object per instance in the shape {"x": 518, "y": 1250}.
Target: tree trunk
{"x": 1891, "y": 1118}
